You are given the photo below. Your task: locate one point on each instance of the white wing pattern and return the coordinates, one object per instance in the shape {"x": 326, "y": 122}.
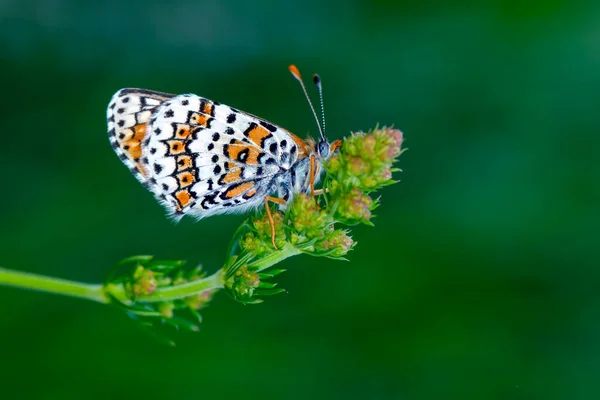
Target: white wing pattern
{"x": 200, "y": 157}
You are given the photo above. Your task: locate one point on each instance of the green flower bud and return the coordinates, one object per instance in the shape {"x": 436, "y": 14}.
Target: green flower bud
{"x": 336, "y": 244}
{"x": 199, "y": 300}
{"x": 365, "y": 160}
{"x": 390, "y": 142}
{"x": 307, "y": 218}
{"x": 334, "y": 164}
{"x": 243, "y": 283}
{"x": 354, "y": 206}
{"x": 258, "y": 240}
{"x": 144, "y": 281}
{"x": 166, "y": 309}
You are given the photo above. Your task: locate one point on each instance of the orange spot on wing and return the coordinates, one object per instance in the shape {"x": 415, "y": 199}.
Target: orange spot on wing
{"x": 199, "y": 119}
{"x": 140, "y": 132}
{"x": 203, "y": 120}
{"x": 233, "y": 150}
{"x": 186, "y": 179}
{"x": 253, "y": 156}
{"x": 176, "y": 147}
{"x": 183, "y": 197}
{"x": 182, "y": 131}
{"x": 239, "y": 189}
{"x": 258, "y": 134}
{"x": 207, "y": 108}
{"x": 132, "y": 149}
{"x": 131, "y": 142}
{"x": 233, "y": 176}
{"x": 184, "y": 162}
{"x": 250, "y": 193}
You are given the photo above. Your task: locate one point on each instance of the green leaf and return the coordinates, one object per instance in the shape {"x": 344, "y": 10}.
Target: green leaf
{"x": 136, "y": 259}
{"x": 268, "y": 292}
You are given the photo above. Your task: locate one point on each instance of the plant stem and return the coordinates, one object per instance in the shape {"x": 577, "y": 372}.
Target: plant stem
{"x": 24, "y": 280}
{"x": 215, "y": 281}
{"x": 288, "y": 250}
{"x": 98, "y": 292}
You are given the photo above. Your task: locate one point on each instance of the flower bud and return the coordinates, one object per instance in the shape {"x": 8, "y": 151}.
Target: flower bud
{"x": 244, "y": 282}
{"x": 355, "y": 206}
{"x": 166, "y": 309}
{"x": 336, "y": 244}
{"x": 307, "y": 217}
{"x": 144, "y": 281}
{"x": 258, "y": 240}
{"x": 365, "y": 160}
{"x": 199, "y": 300}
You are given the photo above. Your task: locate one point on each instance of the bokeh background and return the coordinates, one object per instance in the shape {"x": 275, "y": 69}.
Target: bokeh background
{"x": 479, "y": 280}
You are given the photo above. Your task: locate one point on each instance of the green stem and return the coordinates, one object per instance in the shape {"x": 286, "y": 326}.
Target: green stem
{"x": 288, "y": 250}
{"x": 99, "y": 293}
{"x": 215, "y": 281}
{"x": 24, "y": 280}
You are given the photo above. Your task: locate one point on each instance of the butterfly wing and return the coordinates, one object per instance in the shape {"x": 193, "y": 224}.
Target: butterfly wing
{"x": 206, "y": 158}
{"x": 128, "y": 114}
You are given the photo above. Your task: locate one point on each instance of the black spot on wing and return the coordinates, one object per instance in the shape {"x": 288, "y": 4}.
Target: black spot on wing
{"x": 242, "y": 156}
{"x": 269, "y": 126}
{"x": 207, "y": 201}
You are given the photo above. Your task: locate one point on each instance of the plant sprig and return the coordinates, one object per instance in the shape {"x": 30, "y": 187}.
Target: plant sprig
{"x": 165, "y": 293}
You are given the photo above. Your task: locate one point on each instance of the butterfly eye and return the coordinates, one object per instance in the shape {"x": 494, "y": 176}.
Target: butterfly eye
{"x": 323, "y": 149}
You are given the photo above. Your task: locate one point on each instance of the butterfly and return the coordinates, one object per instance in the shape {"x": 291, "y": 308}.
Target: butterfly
{"x": 200, "y": 158}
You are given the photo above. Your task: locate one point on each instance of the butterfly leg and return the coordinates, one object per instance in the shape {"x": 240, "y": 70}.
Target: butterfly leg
{"x": 270, "y": 216}
{"x": 312, "y": 173}
{"x": 319, "y": 192}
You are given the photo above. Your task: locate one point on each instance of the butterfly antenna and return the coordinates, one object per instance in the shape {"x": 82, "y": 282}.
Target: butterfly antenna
{"x": 298, "y": 77}
{"x": 317, "y": 81}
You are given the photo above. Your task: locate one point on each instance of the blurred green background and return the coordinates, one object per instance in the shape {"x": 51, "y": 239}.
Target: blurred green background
{"x": 479, "y": 280}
